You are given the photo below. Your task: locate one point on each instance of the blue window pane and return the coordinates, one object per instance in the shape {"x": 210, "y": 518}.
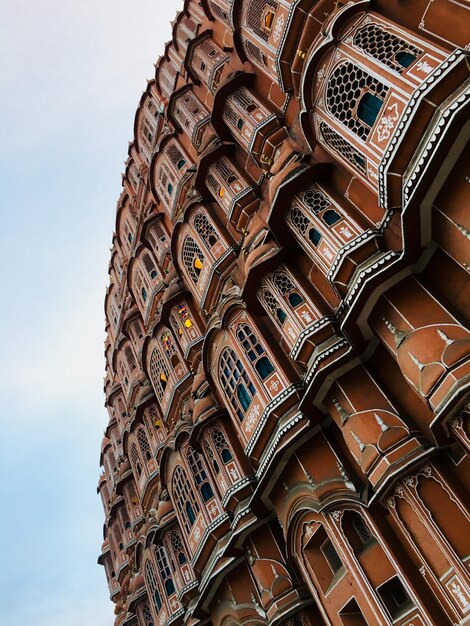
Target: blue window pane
{"x": 226, "y": 455}
{"x": 169, "y": 587}
{"x": 281, "y": 316}
{"x": 181, "y": 558}
{"x": 405, "y": 59}
{"x": 251, "y": 355}
{"x": 144, "y": 294}
{"x": 369, "y": 107}
{"x": 206, "y": 492}
{"x": 153, "y": 274}
{"x": 240, "y": 124}
{"x": 259, "y": 349}
{"x": 295, "y": 299}
{"x": 243, "y": 396}
{"x": 264, "y": 367}
{"x": 330, "y": 217}
{"x": 158, "y": 600}
{"x": 190, "y": 513}
{"x": 181, "y": 163}
{"x": 314, "y": 236}
{"x": 360, "y": 161}
{"x": 170, "y": 188}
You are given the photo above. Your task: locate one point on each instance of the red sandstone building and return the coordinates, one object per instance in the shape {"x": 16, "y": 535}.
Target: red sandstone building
{"x": 288, "y": 361}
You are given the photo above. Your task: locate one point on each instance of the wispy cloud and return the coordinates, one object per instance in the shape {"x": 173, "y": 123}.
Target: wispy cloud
{"x": 72, "y": 75}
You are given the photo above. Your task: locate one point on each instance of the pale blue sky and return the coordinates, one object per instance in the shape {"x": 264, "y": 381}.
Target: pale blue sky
{"x": 71, "y": 76}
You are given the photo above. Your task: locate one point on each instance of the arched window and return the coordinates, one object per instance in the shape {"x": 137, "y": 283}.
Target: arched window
{"x": 272, "y": 304}
{"x": 164, "y": 570}
{"x": 287, "y": 289}
{"x": 218, "y": 11}
{"x": 199, "y": 474}
{"x": 221, "y": 445}
{"x": 205, "y": 229}
{"x": 260, "y": 16}
{"x": 152, "y": 586}
{"x": 235, "y": 382}
{"x": 355, "y": 98}
{"x": 193, "y": 259}
{"x": 319, "y": 226}
{"x": 135, "y": 460}
{"x": 254, "y": 351}
{"x": 158, "y": 373}
{"x": 386, "y": 47}
{"x": 185, "y": 501}
{"x": 147, "y": 615}
{"x": 178, "y": 548}
{"x": 342, "y": 147}
{"x": 169, "y": 348}
{"x": 144, "y": 444}
{"x": 184, "y": 315}
{"x": 362, "y": 530}
{"x": 150, "y": 266}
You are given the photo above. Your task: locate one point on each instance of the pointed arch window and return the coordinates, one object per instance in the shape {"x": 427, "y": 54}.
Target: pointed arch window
{"x": 169, "y": 349}
{"x": 152, "y": 586}
{"x": 185, "y": 500}
{"x": 221, "y": 445}
{"x": 135, "y": 460}
{"x": 193, "y": 259}
{"x": 147, "y": 615}
{"x": 254, "y": 351}
{"x": 199, "y": 474}
{"x": 389, "y": 49}
{"x": 164, "y": 570}
{"x": 362, "y": 530}
{"x": 260, "y": 16}
{"x": 235, "y": 382}
{"x": 159, "y": 373}
{"x": 144, "y": 444}
{"x": 184, "y": 315}
{"x": 178, "y": 548}
{"x": 344, "y": 102}
{"x": 205, "y": 229}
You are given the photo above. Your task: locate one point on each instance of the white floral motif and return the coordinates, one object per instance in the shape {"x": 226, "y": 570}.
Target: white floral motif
{"x": 305, "y": 315}
{"x": 327, "y": 253}
{"x": 252, "y": 418}
{"x": 197, "y": 533}
{"x": 410, "y": 481}
{"x": 279, "y": 27}
{"x": 234, "y": 473}
{"x": 291, "y": 333}
{"x": 345, "y": 231}
{"x": 320, "y": 74}
{"x": 274, "y": 386}
{"x": 336, "y": 515}
{"x": 458, "y": 591}
{"x": 213, "y": 510}
{"x": 204, "y": 274}
{"x": 387, "y": 122}
{"x": 308, "y": 531}
{"x": 425, "y": 67}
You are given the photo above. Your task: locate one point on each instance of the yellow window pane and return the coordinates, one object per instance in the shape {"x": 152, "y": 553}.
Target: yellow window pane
{"x": 197, "y": 264}
{"x": 268, "y": 20}
{"x": 188, "y": 323}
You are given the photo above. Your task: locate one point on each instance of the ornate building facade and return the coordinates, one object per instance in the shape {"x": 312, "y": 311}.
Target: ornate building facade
{"x": 287, "y": 352}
